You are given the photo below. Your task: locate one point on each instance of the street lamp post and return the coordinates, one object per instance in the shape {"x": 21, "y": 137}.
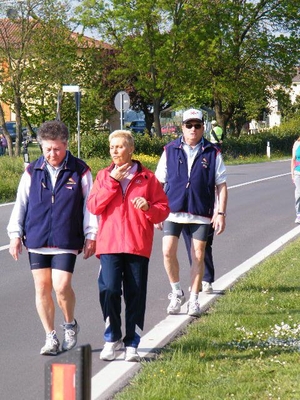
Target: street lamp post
{"x": 76, "y": 90}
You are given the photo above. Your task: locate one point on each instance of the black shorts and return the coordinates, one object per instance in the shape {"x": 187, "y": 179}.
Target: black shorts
{"x": 63, "y": 262}
{"x": 196, "y": 231}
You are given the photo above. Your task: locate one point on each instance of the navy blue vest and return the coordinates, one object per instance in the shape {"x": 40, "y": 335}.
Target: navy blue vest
{"x": 194, "y": 194}
{"x": 54, "y": 217}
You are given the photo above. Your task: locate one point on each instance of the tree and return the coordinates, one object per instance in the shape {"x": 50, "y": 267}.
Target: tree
{"x": 225, "y": 54}
{"x": 146, "y": 38}
{"x": 239, "y": 51}
{"x": 18, "y": 38}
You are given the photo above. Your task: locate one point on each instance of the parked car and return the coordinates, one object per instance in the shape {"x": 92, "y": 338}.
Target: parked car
{"x": 169, "y": 130}
{"x": 12, "y": 130}
{"x": 138, "y": 126}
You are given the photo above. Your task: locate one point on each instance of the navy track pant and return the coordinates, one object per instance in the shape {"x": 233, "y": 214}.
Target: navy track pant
{"x": 130, "y": 273}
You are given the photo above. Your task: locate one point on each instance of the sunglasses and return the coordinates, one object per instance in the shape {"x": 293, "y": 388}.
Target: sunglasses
{"x": 196, "y": 126}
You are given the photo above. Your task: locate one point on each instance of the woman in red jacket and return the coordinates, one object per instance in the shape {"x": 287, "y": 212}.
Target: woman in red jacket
{"x": 129, "y": 200}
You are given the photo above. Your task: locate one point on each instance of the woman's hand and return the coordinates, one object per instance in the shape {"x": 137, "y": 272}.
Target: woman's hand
{"x": 140, "y": 203}
{"x": 119, "y": 173}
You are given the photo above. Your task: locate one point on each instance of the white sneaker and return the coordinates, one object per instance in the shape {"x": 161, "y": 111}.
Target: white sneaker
{"x": 51, "y": 346}
{"x": 176, "y": 302}
{"x": 193, "y": 309}
{"x": 109, "y": 350}
{"x": 297, "y": 220}
{"x": 131, "y": 354}
{"x": 207, "y": 287}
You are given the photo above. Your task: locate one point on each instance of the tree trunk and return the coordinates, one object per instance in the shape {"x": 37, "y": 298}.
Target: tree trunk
{"x": 19, "y": 137}
{"x": 156, "y": 113}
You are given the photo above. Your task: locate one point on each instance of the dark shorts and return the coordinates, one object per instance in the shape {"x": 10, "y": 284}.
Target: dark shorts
{"x": 196, "y": 231}
{"x": 63, "y": 262}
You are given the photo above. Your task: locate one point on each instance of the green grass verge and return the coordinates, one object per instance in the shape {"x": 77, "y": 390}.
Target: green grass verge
{"x": 246, "y": 347}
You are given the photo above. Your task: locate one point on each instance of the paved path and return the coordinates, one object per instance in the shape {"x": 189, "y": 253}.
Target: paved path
{"x": 260, "y": 210}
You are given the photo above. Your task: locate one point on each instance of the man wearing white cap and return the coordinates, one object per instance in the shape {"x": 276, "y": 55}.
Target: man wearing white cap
{"x": 192, "y": 170}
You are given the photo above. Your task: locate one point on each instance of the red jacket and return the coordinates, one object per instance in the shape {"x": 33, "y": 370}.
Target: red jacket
{"x": 123, "y": 228}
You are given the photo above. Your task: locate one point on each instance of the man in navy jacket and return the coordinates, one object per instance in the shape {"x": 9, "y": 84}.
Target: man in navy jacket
{"x": 191, "y": 170}
{"x": 51, "y": 219}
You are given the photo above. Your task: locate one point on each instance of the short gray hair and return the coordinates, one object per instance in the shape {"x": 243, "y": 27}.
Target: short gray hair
{"x": 53, "y": 130}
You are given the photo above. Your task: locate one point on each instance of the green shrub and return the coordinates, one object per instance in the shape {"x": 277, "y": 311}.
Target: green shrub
{"x": 281, "y": 142}
{"x": 11, "y": 171}
{"x": 97, "y": 145}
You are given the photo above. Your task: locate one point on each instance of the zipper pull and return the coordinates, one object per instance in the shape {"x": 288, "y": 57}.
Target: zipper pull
{"x": 52, "y": 198}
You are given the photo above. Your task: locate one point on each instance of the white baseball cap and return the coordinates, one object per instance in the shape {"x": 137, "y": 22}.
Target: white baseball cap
{"x": 214, "y": 122}
{"x": 192, "y": 113}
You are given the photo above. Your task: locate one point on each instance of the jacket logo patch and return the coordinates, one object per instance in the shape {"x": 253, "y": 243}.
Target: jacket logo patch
{"x": 138, "y": 181}
{"x": 71, "y": 182}
{"x": 204, "y": 163}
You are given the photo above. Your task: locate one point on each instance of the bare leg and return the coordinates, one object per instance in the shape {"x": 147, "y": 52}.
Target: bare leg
{"x": 197, "y": 268}
{"x": 43, "y": 297}
{"x": 170, "y": 245}
{"x": 64, "y": 293}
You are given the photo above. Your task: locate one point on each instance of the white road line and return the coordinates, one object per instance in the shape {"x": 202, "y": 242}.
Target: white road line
{"x": 6, "y": 204}
{"x": 258, "y": 180}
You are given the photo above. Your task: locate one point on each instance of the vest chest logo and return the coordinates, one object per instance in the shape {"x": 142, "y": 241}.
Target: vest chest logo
{"x": 138, "y": 181}
{"x": 71, "y": 181}
{"x": 204, "y": 163}
{"x": 70, "y": 184}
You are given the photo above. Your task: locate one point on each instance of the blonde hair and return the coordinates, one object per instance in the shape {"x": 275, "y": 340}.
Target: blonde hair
{"x": 126, "y": 135}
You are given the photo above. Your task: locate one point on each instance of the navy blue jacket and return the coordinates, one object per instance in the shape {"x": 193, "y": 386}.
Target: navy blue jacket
{"x": 194, "y": 194}
{"x": 54, "y": 217}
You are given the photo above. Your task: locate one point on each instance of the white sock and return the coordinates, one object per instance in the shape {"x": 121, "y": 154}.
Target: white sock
{"x": 70, "y": 323}
{"x": 176, "y": 288}
{"x": 193, "y": 297}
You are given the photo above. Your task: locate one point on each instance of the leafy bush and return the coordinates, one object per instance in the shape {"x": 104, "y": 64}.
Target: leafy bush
{"x": 97, "y": 145}
{"x": 11, "y": 171}
{"x": 281, "y": 142}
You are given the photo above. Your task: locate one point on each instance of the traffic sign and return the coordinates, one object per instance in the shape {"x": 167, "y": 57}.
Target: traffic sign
{"x": 122, "y": 101}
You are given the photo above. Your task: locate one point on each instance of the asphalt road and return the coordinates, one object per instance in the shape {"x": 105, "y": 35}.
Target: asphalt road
{"x": 260, "y": 210}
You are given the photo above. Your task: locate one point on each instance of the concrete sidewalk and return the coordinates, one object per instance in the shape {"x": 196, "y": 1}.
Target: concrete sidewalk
{"x": 117, "y": 374}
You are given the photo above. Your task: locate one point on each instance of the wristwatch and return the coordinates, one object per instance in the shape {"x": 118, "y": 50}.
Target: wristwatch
{"x": 222, "y": 213}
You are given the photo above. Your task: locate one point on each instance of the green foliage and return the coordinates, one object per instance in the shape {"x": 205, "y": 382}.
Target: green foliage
{"x": 93, "y": 145}
{"x": 228, "y": 55}
{"x": 281, "y": 142}
{"x": 255, "y": 145}
{"x": 97, "y": 145}
{"x": 11, "y": 171}
{"x": 94, "y": 150}
{"x": 144, "y": 144}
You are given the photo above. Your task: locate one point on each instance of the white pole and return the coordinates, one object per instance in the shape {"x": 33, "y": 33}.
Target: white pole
{"x": 78, "y": 132}
{"x": 121, "y": 111}
{"x": 268, "y": 150}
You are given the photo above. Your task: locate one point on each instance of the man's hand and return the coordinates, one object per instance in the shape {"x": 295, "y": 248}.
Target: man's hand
{"x": 15, "y": 248}
{"x": 219, "y": 223}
